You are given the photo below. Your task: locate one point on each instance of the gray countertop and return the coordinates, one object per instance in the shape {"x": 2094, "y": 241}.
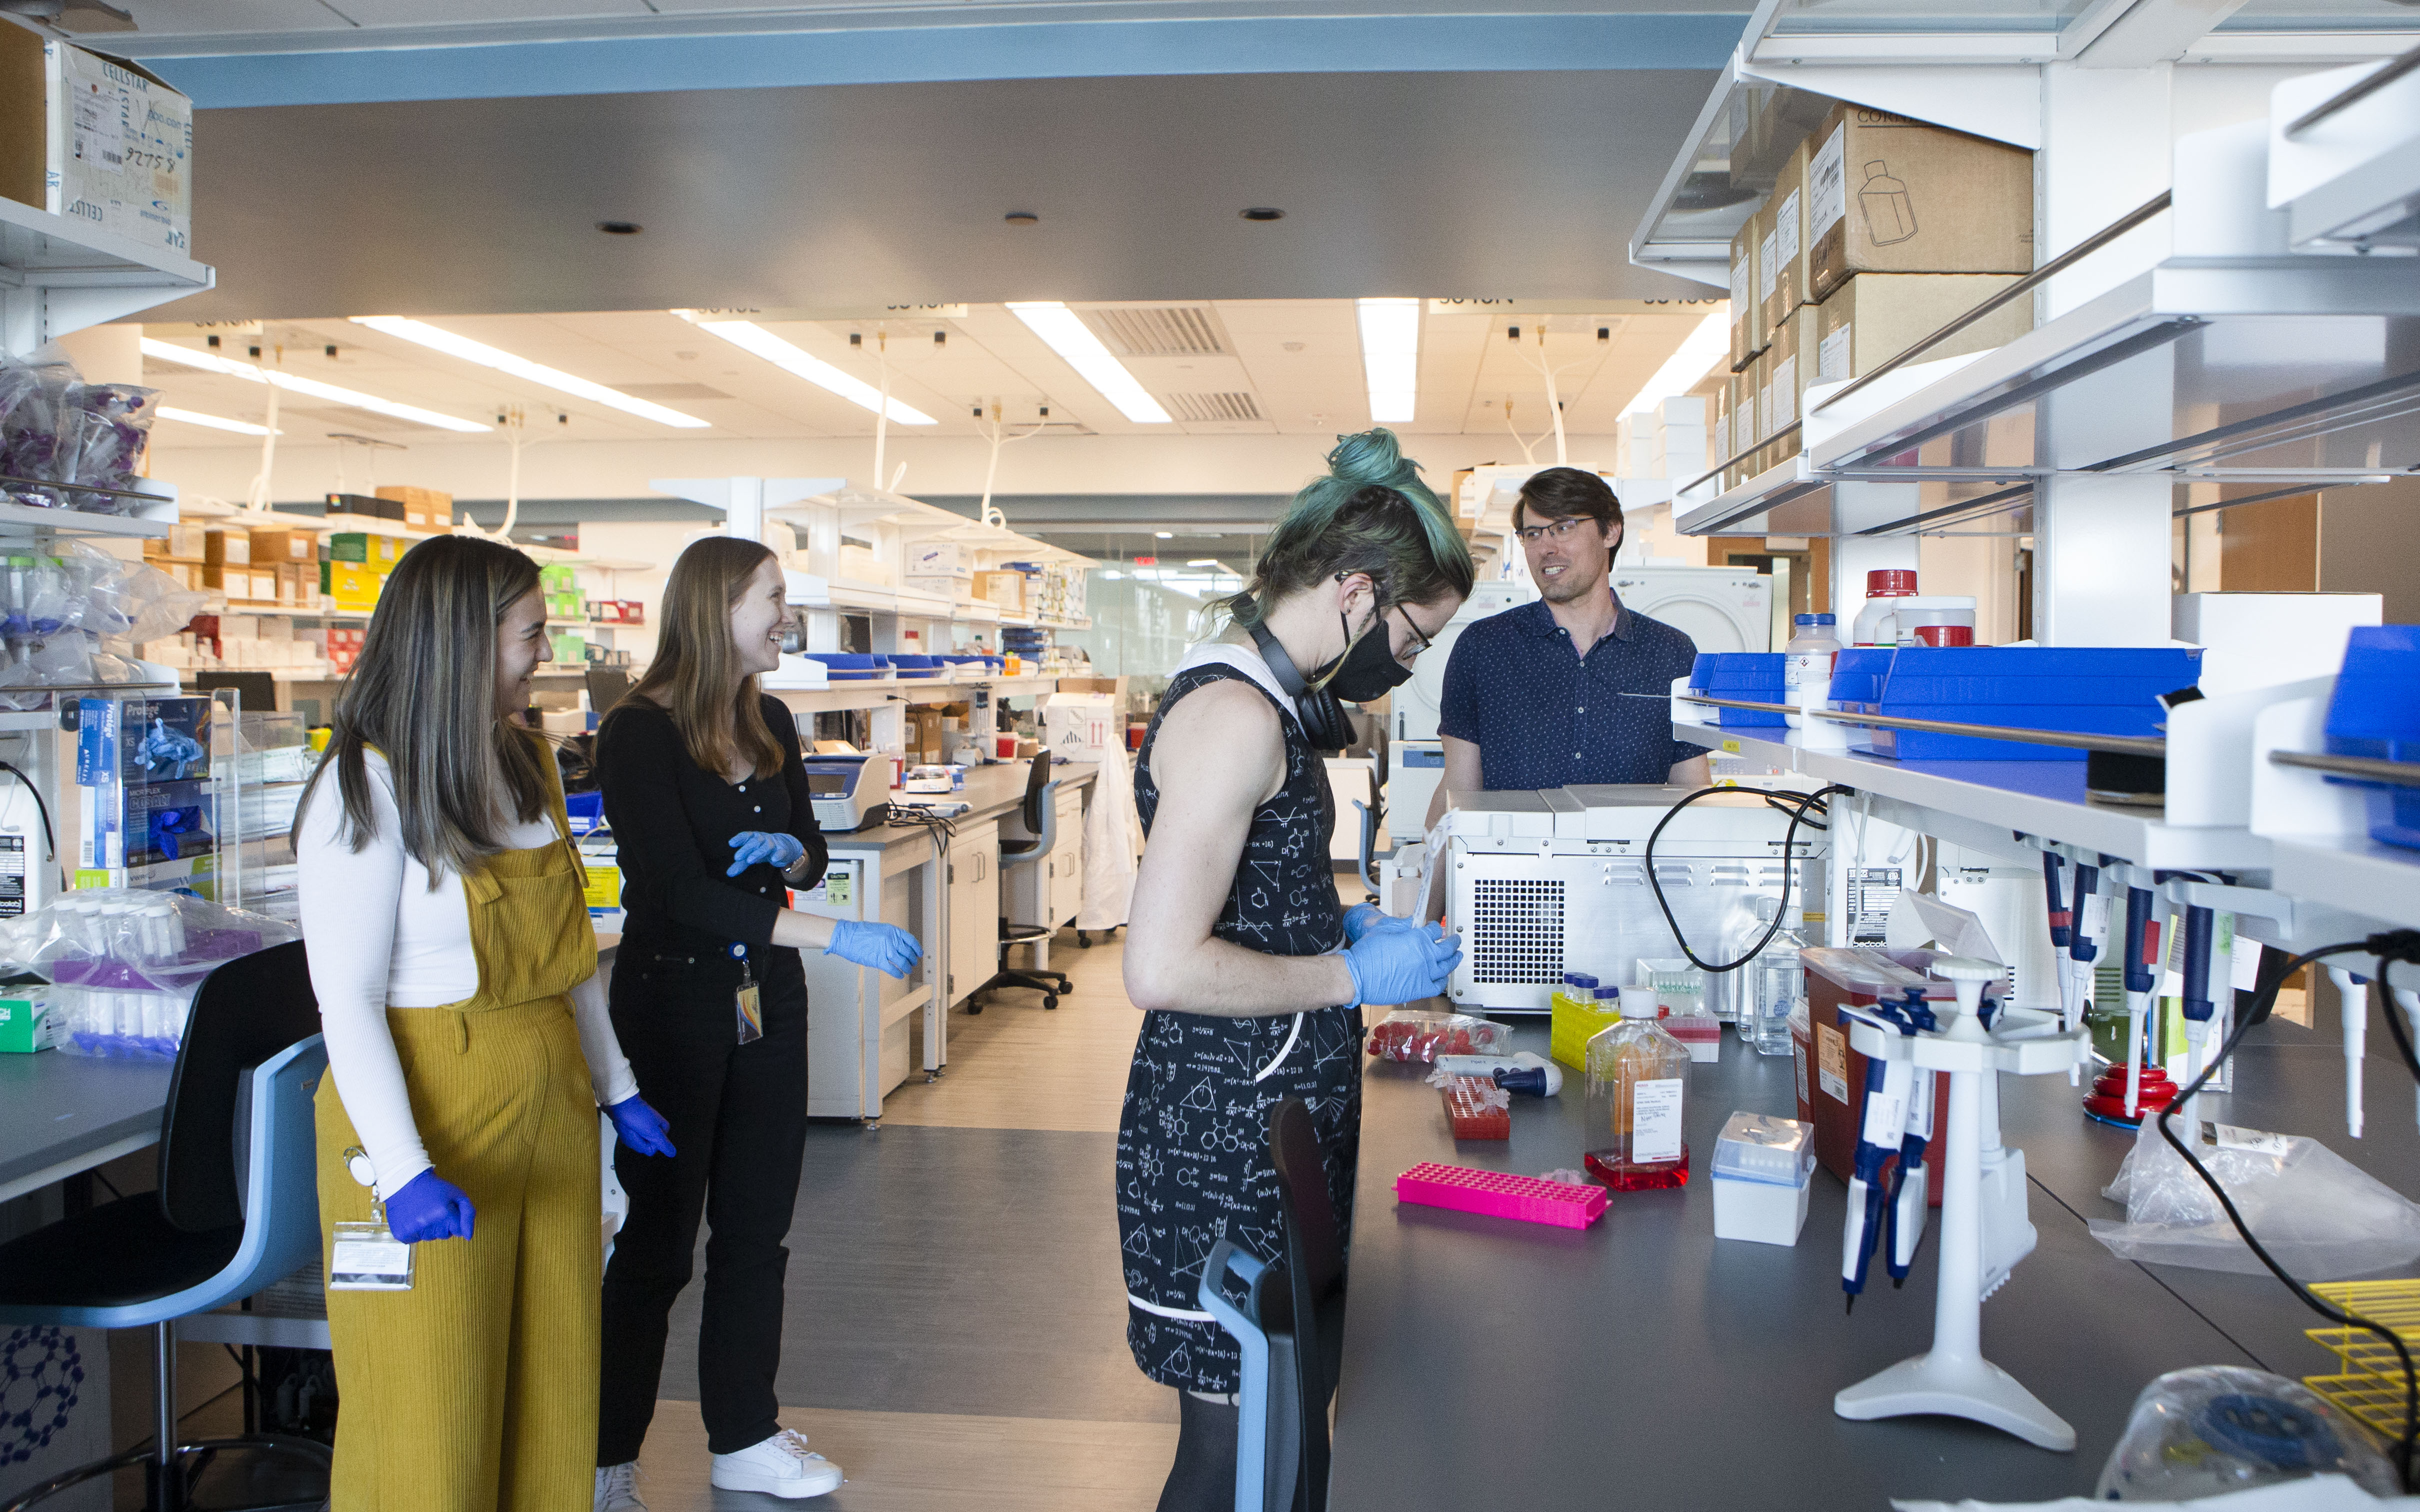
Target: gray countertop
{"x": 990, "y": 791}
{"x": 57, "y": 1109}
{"x": 1643, "y": 1363}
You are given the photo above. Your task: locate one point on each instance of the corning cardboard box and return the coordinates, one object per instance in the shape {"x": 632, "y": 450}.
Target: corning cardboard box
{"x": 1885, "y": 195}
{"x": 95, "y": 139}
{"x": 424, "y": 509}
{"x": 1748, "y": 311}
{"x": 1788, "y": 282}
{"x": 1874, "y": 316}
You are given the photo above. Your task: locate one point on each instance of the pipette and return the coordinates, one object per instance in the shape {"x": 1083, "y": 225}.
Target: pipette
{"x": 2200, "y": 1007}
{"x": 2142, "y": 976}
{"x": 2408, "y": 999}
{"x": 1884, "y": 1122}
{"x": 2352, "y": 1002}
{"x": 1911, "y": 1190}
{"x": 2090, "y": 928}
{"x": 2062, "y": 940}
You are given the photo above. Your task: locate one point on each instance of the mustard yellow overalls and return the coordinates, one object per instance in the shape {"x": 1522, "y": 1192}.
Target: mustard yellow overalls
{"x": 476, "y": 1391}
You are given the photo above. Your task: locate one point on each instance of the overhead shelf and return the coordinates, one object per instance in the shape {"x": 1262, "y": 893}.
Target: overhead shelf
{"x": 21, "y": 520}
{"x": 2355, "y": 874}
{"x": 2236, "y": 379}
{"x": 59, "y": 276}
{"x": 2044, "y": 798}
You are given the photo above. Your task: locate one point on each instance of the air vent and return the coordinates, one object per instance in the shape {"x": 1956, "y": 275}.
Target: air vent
{"x": 1204, "y": 408}
{"x": 1165, "y": 330}
{"x": 1515, "y": 932}
{"x": 661, "y": 393}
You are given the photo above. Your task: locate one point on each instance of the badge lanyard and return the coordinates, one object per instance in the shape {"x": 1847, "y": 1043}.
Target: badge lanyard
{"x": 367, "y": 1257}
{"x": 752, "y": 1010}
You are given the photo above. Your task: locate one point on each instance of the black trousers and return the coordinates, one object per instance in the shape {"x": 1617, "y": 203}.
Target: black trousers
{"x": 738, "y": 1117}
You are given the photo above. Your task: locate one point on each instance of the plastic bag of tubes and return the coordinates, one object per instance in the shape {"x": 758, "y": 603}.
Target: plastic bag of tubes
{"x": 124, "y": 963}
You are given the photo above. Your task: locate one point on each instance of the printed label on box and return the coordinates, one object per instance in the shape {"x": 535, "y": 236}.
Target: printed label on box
{"x": 1739, "y": 288}
{"x": 1827, "y": 185}
{"x": 1832, "y": 1062}
{"x": 1768, "y": 267}
{"x": 1784, "y": 229}
{"x": 1785, "y": 392}
{"x": 1832, "y": 357}
{"x": 1656, "y": 1119}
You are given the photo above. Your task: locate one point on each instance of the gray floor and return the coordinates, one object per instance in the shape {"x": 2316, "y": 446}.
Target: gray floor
{"x": 961, "y": 1270}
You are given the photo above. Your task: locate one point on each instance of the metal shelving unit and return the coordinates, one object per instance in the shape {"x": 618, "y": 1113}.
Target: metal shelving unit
{"x": 59, "y": 276}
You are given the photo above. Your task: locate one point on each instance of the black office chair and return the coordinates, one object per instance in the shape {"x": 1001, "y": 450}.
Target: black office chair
{"x": 232, "y": 1215}
{"x": 1290, "y": 1330}
{"x": 1040, "y": 815}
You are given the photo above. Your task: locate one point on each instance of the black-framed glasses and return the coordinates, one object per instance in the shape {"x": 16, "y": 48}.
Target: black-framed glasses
{"x": 1420, "y": 640}
{"x": 1560, "y": 530}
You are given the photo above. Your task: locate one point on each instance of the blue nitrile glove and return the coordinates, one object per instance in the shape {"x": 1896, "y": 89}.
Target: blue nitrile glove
{"x": 164, "y": 751}
{"x": 755, "y": 845}
{"x": 641, "y": 1127}
{"x": 1361, "y": 919}
{"x": 886, "y": 948}
{"x": 429, "y": 1207}
{"x": 1402, "y": 965}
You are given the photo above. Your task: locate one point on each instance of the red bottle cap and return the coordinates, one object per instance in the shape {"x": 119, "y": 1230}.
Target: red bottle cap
{"x": 1945, "y": 635}
{"x": 1890, "y": 582}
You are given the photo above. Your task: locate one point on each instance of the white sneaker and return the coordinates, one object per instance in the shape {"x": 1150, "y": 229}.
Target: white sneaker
{"x": 617, "y": 1490}
{"x": 779, "y": 1466}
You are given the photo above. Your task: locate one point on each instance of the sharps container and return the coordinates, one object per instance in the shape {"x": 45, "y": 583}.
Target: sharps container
{"x": 1764, "y": 1169}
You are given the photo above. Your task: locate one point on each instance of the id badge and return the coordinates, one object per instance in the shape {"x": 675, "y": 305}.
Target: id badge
{"x": 751, "y": 1010}
{"x": 366, "y": 1256}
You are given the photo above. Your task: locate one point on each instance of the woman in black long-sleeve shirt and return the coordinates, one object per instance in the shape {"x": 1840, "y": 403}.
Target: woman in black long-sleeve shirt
{"x": 707, "y": 798}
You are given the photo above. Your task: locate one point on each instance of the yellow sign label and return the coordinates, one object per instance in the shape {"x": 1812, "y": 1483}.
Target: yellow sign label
{"x": 604, "y": 888}
{"x": 1730, "y": 747}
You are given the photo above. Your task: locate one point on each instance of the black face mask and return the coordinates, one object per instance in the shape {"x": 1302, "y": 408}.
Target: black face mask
{"x": 1368, "y": 669}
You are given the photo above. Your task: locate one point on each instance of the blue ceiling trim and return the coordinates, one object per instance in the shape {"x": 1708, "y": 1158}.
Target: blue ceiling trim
{"x": 1073, "y": 50}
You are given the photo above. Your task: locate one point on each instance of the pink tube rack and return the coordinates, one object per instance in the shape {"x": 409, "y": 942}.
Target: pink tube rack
{"x": 1501, "y": 1195}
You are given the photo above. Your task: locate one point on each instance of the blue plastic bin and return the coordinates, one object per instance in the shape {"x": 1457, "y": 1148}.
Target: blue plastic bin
{"x": 2376, "y": 713}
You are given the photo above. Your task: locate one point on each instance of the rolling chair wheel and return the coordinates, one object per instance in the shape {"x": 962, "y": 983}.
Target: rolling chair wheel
{"x": 973, "y": 1007}
{"x": 1083, "y": 940}
{"x": 1051, "y": 1000}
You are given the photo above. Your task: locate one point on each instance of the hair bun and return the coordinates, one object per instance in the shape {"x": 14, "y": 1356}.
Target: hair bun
{"x": 1371, "y": 457}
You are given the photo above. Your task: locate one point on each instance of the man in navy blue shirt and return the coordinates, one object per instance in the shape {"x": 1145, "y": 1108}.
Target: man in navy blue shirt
{"x": 1534, "y": 697}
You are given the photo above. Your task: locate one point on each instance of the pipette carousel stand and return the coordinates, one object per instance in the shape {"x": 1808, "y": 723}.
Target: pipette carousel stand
{"x": 1953, "y": 1379}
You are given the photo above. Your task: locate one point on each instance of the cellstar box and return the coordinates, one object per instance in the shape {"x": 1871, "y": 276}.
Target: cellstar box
{"x": 95, "y": 139}
{"x": 1885, "y": 195}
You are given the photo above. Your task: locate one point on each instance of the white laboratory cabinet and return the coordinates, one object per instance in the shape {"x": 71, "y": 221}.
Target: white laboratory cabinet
{"x": 858, "y": 1034}
{"x": 974, "y": 882}
{"x": 1049, "y": 892}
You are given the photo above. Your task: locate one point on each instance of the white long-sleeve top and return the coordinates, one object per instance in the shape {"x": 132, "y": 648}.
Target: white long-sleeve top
{"x": 379, "y": 937}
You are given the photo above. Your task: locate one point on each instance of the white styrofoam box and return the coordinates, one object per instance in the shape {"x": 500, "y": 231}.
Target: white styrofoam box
{"x": 939, "y": 558}
{"x": 2260, "y": 640}
{"x": 1764, "y": 1213}
{"x": 1077, "y": 724}
{"x": 121, "y": 148}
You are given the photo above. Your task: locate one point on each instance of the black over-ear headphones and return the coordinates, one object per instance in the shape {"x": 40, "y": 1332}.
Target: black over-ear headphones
{"x": 1322, "y": 713}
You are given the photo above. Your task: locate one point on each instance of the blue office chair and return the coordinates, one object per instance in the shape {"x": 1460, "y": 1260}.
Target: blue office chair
{"x": 1291, "y": 1330}
{"x": 238, "y": 1208}
{"x": 1041, "y": 815}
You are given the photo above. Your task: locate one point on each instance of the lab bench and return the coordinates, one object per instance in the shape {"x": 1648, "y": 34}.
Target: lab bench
{"x": 950, "y": 899}
{"x": 1642, "y": 1361}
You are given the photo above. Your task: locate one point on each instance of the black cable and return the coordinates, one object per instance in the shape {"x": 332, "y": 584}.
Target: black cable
{"x": 1798, "y": 805}
{"x": 2398, "y": 944}
{"x": 39, "y": 807}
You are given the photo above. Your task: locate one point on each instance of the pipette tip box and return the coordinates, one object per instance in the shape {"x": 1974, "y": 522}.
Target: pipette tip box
{"x": 1501, "y": 1195}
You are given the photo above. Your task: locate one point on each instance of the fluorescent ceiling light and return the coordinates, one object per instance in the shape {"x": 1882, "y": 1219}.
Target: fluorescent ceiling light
{"x": 753, "y": 338}
{"x": 521, "y": 367}
{"x": 190, "y": 417}
{"x": 250, "y": 373}
{"x": 1073, "y": 339}
{"x": 1164, "y": 535}
{"x": 1391, "y": 358}
{"x": 1699, "y": 351}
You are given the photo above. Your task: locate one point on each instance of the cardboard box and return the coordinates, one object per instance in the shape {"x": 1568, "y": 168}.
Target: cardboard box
{"x": 353, "y": 585}
{"x": 424, "y": 509}
{"x": 230, "y": 548}
{"x": 940, "y": 559}
{"x": 1885, "y": 195}
{"x": 368, "y": 506}
{"x": 26, "y": 1022}
{"x": 271, "y": 548}
{"x": 98, "y": 140}
{"x": 1792, "y": 358}
{"x": 183, "y": 543}
{"x": 1083, "y": 725}
{"x": 1786, "y": 281}
{"x": 1872, "y": 318}
{"x": 1115, "y": 686}
{"x": 1748, "y": 258}
{"x": 1005, "y": 589}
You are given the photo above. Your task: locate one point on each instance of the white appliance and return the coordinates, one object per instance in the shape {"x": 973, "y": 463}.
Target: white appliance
{"x": 1543, "y": 882}
{"x": 1721, "y": 608}
{"x": 1415, "y": 757}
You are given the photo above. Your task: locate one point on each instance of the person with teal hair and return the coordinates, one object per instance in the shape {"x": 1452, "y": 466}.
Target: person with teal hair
{"x": 1250, "y": 974}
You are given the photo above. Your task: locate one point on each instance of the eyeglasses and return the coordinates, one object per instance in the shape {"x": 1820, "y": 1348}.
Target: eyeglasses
{"x": 1420, "y": 641}
{"x": 1559, "y": 530}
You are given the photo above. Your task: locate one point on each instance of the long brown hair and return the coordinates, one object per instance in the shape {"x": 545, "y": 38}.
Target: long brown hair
{"x": 696, "y": 665}
{"x": 424, "y": 695}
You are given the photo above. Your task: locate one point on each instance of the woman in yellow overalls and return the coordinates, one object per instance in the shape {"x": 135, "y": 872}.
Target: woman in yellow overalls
{"x": 470, "y": 1050}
